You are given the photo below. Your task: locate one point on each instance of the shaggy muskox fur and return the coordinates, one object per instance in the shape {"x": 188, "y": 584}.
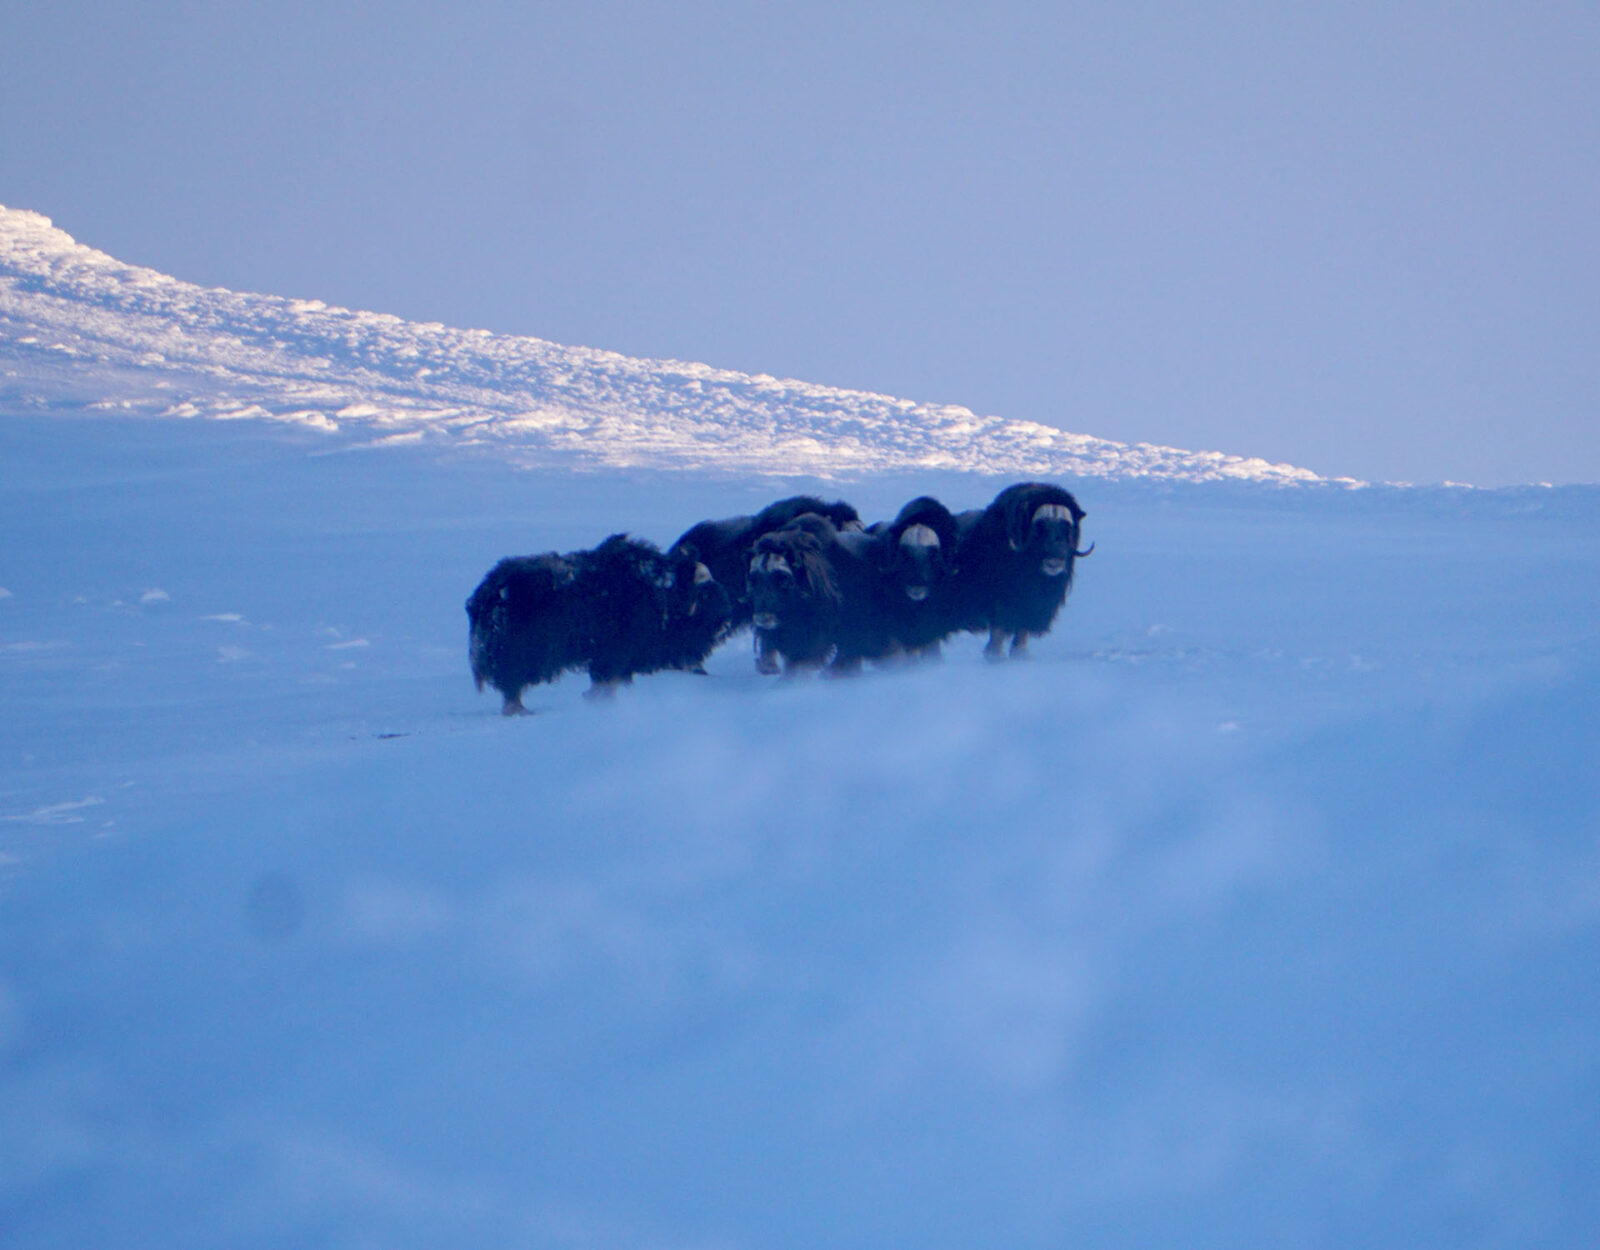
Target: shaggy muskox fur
{"x": 839, "y": 514}
{"x": 795, "y": 601}
{"x": 1016, "y": 561}
{"x": 916, "y": 563}
{"x": 621, "y": 609}
{"x": 645, "y": 611}
{"x": 725, "y": 546}
{"x": 814, "y": 596}
{"x": 818, "y": 588}
{"x": 524, "y": 625}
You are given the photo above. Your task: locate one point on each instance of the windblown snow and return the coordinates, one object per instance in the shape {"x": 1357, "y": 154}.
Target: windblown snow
{"x": 75, "y": 323}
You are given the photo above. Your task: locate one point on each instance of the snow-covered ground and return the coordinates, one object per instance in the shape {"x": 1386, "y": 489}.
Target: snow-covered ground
{"x": 1260, "y": 908}
{"x": 151, "y": 344}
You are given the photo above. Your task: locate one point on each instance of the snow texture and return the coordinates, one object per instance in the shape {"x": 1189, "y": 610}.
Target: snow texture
{"x": 1260, "y": 907}
{"x": 152, "y": 344}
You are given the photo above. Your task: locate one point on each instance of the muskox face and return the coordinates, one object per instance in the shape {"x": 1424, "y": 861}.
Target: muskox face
{"x": 777, "y": 587}
{"x": 692, "y": 592}
{"x": 917, "y": 564}
{"x": 711, "y": 605}
{"x": 791, "y": 580}
{"x": 1052, "y": 538}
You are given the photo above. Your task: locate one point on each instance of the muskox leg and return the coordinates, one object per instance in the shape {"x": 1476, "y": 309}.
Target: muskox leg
{"x": 995, "y": 649}
{"x": 766, "y": 660}
{"x": 603, "y": 689}
{"x": 1019, "y": 645}
{"x": 513, "y": 705}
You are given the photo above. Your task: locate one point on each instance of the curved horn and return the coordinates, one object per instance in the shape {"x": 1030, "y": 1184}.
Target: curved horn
{"x": 1017, "y": 527}
{"x": 1085, "y": 551}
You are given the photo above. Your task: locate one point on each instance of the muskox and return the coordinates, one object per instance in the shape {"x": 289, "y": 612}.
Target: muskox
{"x": 814, "y": 597}
{"x": 915, "y": 555}
{"x": 524, "y": 625}
{"x": 643, "y": 611}
{"x": 725, "y": 546}
{"x": 621, "y": 609}
{"x": 1016, "y": 563}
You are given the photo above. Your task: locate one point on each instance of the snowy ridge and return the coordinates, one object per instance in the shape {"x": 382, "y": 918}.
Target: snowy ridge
{"x": 80, "y": 328}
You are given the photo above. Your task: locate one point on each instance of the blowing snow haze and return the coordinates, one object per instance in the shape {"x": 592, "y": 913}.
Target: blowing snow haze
{"x": 1259, "y": 907}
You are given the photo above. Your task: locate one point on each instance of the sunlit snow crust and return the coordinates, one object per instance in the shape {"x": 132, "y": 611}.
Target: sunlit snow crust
{"x": 78, "y": 327}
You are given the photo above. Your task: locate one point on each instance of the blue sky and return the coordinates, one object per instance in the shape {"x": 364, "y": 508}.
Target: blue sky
{"x": 1358, "y": 238}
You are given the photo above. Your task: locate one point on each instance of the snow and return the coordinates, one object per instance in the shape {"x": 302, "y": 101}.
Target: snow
{"x": 143, "y": 342}
{"x": 1259, "y": 907}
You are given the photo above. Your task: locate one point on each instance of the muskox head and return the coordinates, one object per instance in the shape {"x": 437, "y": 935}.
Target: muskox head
{"x": 917, "y": 552}
{"x": 1043, "y": 522}
{"x": 692, "y": 592}
{"x": 918, "y": 560}
{"x": 789, "y": 577}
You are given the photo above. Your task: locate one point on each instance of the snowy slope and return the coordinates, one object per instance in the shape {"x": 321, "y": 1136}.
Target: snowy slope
{"x": 1259, "y": 908}
{"x": 77, "y": 325}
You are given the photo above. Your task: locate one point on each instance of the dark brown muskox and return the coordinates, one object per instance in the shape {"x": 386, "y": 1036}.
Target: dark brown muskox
{"x": 643, "y": 611}
{"x": 916, "y": 561}
{"x": 725, "y": 546}
{"x": 621, "y": 609}
{"x": 814, "y": 599}
{"x": 1016, "y": 563}
{"x": 524, "y": 625}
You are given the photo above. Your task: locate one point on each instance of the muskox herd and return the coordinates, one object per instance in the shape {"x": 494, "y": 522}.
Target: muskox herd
{"x": 817, "y": 586}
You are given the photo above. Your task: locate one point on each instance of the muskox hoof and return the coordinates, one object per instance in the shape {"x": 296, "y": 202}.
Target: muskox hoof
{"x": 602, "y": 691}
{"x": 513, "y": 707}
{"x": 767, "y": 664}
{"x": 1019, "y": 647}
{"x": 995, "y": 648}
